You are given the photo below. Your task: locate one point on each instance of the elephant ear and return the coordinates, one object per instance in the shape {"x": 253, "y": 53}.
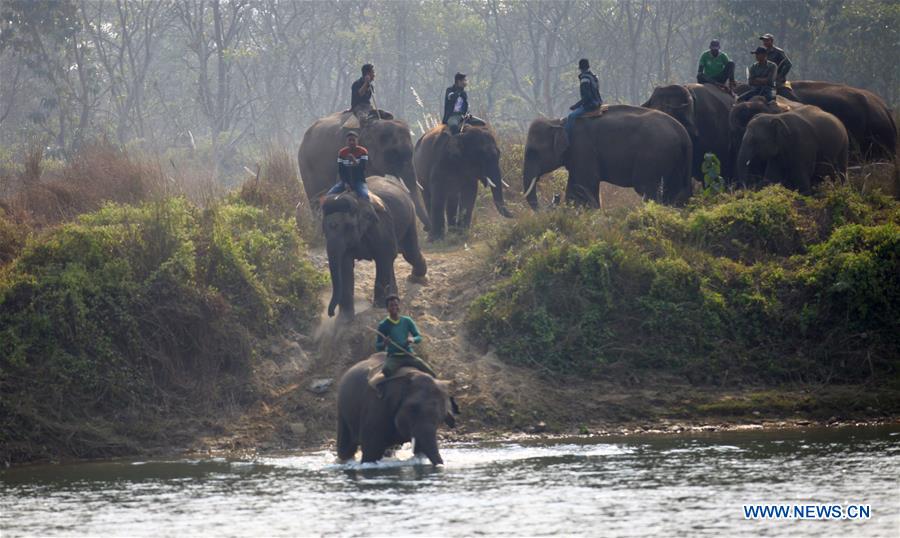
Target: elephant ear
{"x": 782, "y": 132}
{"x": 560, "y": 143}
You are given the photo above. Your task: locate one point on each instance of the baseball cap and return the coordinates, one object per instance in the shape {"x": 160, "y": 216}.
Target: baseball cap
{"x": 714, "y": 44}
{"x": 759, "y": 50}
{"x": 767, "y": 36}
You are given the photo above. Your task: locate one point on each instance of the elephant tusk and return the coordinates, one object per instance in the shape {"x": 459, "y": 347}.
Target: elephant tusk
{"x": 421, "y": 188}
{"x": 531, "y": 187}
{"x": 491, "y": 183}
{"x": 505, "y": 184}
{"x": 748, "y": 163}
{"x": 413, "y": 442}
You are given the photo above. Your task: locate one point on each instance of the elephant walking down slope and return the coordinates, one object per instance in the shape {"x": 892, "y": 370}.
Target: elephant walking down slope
{"x": 353, "y": 231}
{"x": 627, "y": 146}
{"x": 703, "y": 111}
{"x": 797, "y": 148}
{"x": 390, "y": 153}
{"x": 449, "y": 168}
{"x": 412, "y": 406}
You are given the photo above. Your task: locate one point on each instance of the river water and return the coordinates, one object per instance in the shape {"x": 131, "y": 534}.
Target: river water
{"x": 686, "y": 485}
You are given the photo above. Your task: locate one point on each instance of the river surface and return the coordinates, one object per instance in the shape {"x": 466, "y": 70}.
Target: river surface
{"x": 686, "y": 485}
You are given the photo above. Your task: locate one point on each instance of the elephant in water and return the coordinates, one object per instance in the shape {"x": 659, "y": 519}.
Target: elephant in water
{"x": 796, "y": 148}
{"x": 411, "y": 408}
{"x": 356, "y": 232}
{"x": 390, "y": 153}
{"x": 449, "y": 167}
{"x": 703, "y": 111}
{"x": 627, "y": 146}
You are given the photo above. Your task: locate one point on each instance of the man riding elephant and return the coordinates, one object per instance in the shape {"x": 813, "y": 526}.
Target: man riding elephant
{"x": 761, "y": 77}
{"x": 353, "y": 232}
{"x": 449, "y": 168}
{"x": 456, "y": 106}
{"x": 390, "y": 152}
{"x": 715, "y": 67}
{"x": 361, "y": 95}
{"x": 589, "y": 89}
{"x": 627, "y": 146}
{"x": 783, "y": 65}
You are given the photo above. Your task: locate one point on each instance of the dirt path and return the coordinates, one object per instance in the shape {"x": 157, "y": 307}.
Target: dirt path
{"x": 298, "y": 374}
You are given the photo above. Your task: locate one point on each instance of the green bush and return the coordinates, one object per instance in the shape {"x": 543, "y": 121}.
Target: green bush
{"x": 766, "y": 285}
{"x": 131, "y": 309}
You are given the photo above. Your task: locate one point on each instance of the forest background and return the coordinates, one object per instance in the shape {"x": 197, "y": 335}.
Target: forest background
{"x": 218, "y": 81}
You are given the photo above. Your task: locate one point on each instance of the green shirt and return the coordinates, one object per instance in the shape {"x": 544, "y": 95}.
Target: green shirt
{"x": 766, "y": 71}
{"x": 398, "y": 331}
{"x": 712, "y": 66}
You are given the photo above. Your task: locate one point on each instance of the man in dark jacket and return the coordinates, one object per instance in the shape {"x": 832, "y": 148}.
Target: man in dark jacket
{"x": 783, "y": 65}
{"x": 589, "y": 87}
{"x": 361, "y": 94}
{"x": 456, "y": 103}
{"x": 456, "y": 106}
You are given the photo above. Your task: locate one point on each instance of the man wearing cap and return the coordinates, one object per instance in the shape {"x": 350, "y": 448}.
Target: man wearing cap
{"x": 456, "y": 103}
{"x": 778, "y": 57}
{"x": 589, "y": 88}
{"x": 761, "y": 78}
{"x": 352, "y": 160}
{"x": 715, "y": 67}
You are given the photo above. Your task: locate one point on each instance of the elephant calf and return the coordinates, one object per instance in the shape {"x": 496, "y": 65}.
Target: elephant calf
{"x": 354, "y": 233}
{"x": 411, "y": 407}
{"x": 795, "y": 148}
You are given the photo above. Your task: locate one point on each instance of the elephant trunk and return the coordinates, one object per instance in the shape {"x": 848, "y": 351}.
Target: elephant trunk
{"x": 744, "y": 162}
{"x": 530, "y": 178}
{"x": 426, "y": 444}
{"x": 495, "y": 180}
{"x": 335, "y": 258}
{"x": 408, "y": 176}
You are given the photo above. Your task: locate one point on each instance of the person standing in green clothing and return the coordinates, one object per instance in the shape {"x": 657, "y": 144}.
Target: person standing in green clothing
{"x": 396, "y": 334}
{"x": 715, "y": 67}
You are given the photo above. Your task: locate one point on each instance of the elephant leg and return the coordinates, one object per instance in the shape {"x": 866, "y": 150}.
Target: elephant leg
{"x": 437, "y": 208}
{"x": 453, "y": 209}
{"x": 346, "y": 445}
{"x": 467, "y": 203}
{"x": 409, "y": 247}
{"x": 385, "y": 283}
{"x": 347, "y": 282}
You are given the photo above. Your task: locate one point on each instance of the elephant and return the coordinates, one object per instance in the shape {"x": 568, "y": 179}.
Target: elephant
{"x": 743, "y": 112}
{"x": 448, "y": 168}
{"x": 390, "y": 153}
{"x": 356, "y": 232}
{"x": 627, "y": 146}
{"x": 411, "y": 407}
{"x": 795, "y": 148}
{"x": 869, "y": 122}
{"x": 703, "y": 111}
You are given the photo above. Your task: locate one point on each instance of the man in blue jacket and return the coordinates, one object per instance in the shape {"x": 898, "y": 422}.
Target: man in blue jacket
{"x": 589, "y": 88}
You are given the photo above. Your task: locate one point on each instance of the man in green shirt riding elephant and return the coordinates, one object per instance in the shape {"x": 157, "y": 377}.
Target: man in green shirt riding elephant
{"x": 715, "y": 67}
{"x": 396, "y": 334}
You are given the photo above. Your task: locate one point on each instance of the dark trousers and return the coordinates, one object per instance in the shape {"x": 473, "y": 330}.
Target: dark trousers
{"x": 721, "y": 78}
{"x": 766, "y": 91}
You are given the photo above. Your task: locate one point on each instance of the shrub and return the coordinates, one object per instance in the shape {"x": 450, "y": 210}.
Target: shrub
{"x": 766, "y": 286}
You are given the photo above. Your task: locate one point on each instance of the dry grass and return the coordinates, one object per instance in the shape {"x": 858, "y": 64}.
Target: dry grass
{"x": 98, "y": 174}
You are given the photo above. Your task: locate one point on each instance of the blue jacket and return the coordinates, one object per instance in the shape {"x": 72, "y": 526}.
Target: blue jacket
{"x": 590, "y": 91}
